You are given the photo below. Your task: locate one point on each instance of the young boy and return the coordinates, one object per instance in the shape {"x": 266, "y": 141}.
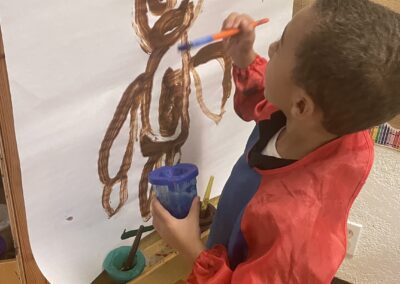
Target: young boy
{"x": 282, "y": 214}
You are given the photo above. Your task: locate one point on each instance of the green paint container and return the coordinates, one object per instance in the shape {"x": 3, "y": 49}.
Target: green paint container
{"x": 115, "y": 260}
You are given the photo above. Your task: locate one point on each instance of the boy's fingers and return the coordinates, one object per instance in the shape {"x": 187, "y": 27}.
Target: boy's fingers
{"x": 226, "y": 44}
{"x": 239, "y": 21}
{"x": 154, "y": 215}
{"x": 159, "y": 211}
{"x": 246, "y": 25}
{"x": 229, "y": 21}
{"x": 195, "y": 208}
{"x": 154, "y": 222}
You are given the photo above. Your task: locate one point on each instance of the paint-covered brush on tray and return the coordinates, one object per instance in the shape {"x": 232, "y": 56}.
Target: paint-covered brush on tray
{"x": 207, "y": 211}
{"x": 218, "y": 36}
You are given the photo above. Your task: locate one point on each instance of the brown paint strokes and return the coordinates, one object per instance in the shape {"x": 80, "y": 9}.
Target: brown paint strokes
{"x": 172, "y": 25}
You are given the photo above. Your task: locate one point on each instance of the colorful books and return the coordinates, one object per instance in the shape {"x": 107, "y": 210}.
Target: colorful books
{"x": 386, "y": 135}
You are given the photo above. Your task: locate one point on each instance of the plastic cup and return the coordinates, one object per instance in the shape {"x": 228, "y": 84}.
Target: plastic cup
{"x": 175, "y": 187}
{"x": 115, "y": 260}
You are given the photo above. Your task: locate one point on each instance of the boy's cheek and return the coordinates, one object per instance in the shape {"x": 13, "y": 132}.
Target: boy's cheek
{"x": 273, "y": 93}
{"x": 266, "y": 92}
{"x": 268, "y": 83}
{"x": 276, "y": 85}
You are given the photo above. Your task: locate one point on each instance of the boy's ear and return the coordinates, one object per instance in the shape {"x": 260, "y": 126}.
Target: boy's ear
{"x": 302, "y": 105}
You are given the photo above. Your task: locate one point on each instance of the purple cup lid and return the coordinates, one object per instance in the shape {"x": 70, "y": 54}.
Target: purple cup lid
{"x": 171, "y": 175}
{"x": 3, "y": 245}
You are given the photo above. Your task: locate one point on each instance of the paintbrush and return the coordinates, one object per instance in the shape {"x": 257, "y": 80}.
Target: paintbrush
{"x": 221, "y": 35}
{"x": 128, "y": 234}
{"x": 206, "y": 198}
{"x": 131, "y": 260}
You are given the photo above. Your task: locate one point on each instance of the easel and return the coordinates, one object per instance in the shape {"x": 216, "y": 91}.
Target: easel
{"x": 23, "y": 269}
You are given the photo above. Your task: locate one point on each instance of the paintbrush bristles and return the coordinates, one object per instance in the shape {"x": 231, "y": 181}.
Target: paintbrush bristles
{"x": 195, "y": 43}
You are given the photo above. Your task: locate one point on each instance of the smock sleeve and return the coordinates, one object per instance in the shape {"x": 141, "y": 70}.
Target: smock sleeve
{"x": 249, "y": 101}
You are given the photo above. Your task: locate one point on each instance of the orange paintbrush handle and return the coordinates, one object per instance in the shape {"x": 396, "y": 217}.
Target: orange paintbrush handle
{"x": 232, "y": 32}
{"x": 210, "y": 38}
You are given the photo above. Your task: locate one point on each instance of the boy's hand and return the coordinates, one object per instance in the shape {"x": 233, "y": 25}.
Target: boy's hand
{"x": 181, "y": 234}
{"x": 240, "y": 46}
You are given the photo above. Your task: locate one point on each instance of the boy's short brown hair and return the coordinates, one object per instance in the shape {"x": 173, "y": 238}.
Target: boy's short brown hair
{"x": 350, "y": 64}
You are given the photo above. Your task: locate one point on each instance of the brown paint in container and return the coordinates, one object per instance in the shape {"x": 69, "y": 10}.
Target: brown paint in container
{"x": 207, "y": 217}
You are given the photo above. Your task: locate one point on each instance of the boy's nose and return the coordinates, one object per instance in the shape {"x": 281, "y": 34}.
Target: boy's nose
{"x": 272, "y": 49}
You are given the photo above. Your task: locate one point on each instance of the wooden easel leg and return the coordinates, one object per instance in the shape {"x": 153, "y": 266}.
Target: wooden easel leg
{"x": 11, "y": 176}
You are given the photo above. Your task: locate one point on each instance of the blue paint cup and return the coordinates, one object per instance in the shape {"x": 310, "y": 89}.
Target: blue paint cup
{"x": 175, "y": 187}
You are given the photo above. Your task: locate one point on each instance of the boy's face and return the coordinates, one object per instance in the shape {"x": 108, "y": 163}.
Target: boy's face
{"x": 280, "y": 88}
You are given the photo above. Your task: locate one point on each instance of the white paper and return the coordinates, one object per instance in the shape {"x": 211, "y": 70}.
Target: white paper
{"x": 69, "y": 63}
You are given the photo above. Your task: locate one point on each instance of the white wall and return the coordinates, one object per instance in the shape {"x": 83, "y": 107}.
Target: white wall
{"x": 377, "y": 259}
